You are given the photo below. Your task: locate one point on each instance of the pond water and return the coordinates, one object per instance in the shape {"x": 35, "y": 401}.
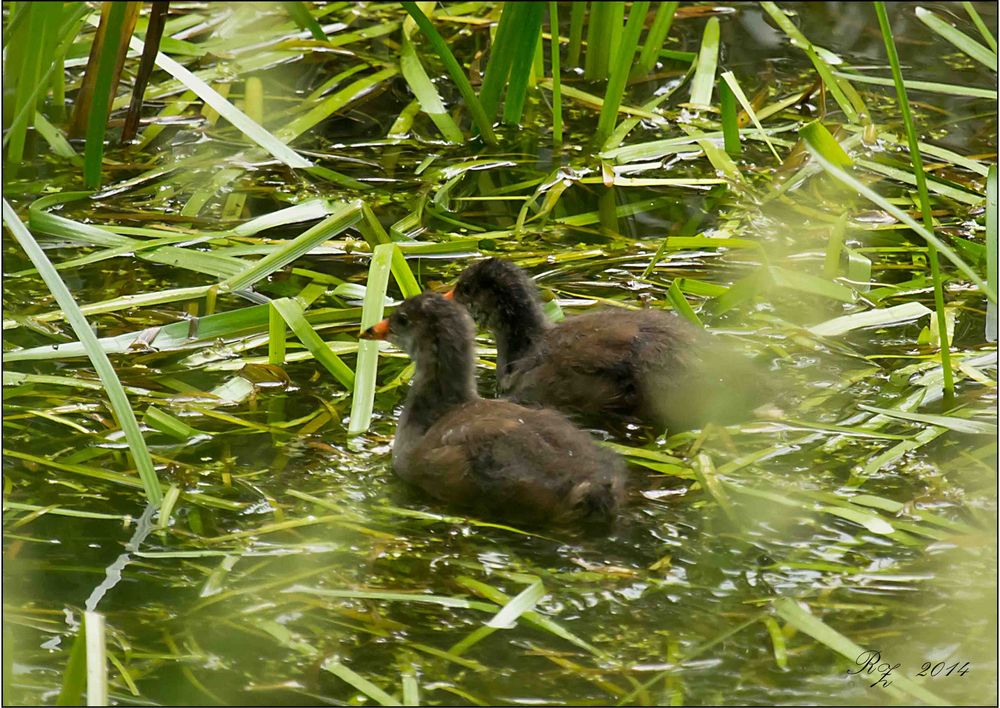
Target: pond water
{"x": 295, "y": 558}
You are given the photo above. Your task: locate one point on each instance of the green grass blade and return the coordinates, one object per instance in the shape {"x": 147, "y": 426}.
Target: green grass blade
{"x": 577, "y": 12}
{"x": 991, "y": 251}
{"x": 342, "y": 218}
{"x": 925, "y": 204}
{"x": 962, "y": 41}
{"x": 411, "y": 689}
{"x": 930, "y": 86}
{"x": 959, "y": 425}
{"x": 821, "y": 65}
{"x": 303, "y": 18}
{"x": 367, "y": 367}
{"x": 479, "y": 116}
{"x": 403, "y": 275}
{"x": 655, "y": 37}
{"x": 731, "y": 82}
{"x": 97, "y": 662}
{"x": 680, "y": 303}
{"x": 426, "y": 93}
{"x": 708, "y": 60}
{"x": 291, "y": 311}
{"x": 525, "y": 42}
{"x": 276, "y": 340}
{"x": 524, "y": 601}
{"x": 623, "y": 62}
{"x": 604, "y": 28}
{"x": 818, "y": 136}
{"x": 97, "y": 118}
{"x": 980, "y": 25}
{"x": 74, "y": 680}
{"x": 102, "y": 365}
{"x": 56, "y": 140}
{"x": 359, "y": 682}
{"x": 901, "y": 216}
{"x": 501, "y": 56}
{"x": 327, "y": 107}
{"x": 557, "y": 132}
{"x": 870, "y": 318}
{"x": 728, "y": 117}
{"x": 791, "y": 612}
{"x": 227, "y": 110}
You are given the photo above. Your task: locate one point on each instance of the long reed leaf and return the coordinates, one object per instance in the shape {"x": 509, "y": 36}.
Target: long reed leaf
{"x": 980, "y": 25}
{"x": 102, "y": 365}
{"x": 734, "y": 86}
{"x": 619, "y": 72}
{"x": 806, "y": 622}
{"x": 529, "y": 30}
{"x": 991, "y": 251}
{"x": 925, "y": 205}
{"x": 655, "y": 37}
{"x": 366, "y": 370}
{"x": 97, "y": 662}
{"x": 426, "y": 93}
{"x": 708, "y": 59}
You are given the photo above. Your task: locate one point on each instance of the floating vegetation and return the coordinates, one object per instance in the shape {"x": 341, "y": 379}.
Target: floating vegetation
{"x": 204, "y": 203}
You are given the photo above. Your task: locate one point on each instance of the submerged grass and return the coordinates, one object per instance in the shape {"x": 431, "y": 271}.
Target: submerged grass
{"x": 288, "y": 566}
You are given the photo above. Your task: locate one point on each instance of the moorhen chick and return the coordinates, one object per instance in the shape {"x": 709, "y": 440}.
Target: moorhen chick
{"x": 495, "y": 457}
{"x": 605, "y": 366}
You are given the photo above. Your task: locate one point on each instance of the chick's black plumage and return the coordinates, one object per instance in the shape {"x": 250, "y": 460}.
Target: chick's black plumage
{"x": 646, "y": 365}
{"x": 497, "y": 458}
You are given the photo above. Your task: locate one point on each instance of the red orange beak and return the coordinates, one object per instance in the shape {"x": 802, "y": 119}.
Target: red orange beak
{"x": 379, "y": 330}
{"x": 450, "y": 295}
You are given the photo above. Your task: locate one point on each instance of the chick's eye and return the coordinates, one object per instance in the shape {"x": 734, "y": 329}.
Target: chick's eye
{"x": 402, "y": 319}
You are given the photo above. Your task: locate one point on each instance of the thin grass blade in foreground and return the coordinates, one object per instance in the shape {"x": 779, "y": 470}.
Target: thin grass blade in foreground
{"x": 367, "y": 367}
{"x": 925, "y": 203}
{"x": 991, "y": 251}
{"x": 360, "y": 682}
{"x": 980, "y": 25}
{"x": 426, "y": 92}
{"x": 116, "y": 394}
{"x": 304, "y": 19}
{"x": 816, "y": 628}
{"x": 97, "y": 662}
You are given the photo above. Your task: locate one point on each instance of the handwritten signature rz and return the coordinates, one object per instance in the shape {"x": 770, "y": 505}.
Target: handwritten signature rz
{"x": 870, "y": 664}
